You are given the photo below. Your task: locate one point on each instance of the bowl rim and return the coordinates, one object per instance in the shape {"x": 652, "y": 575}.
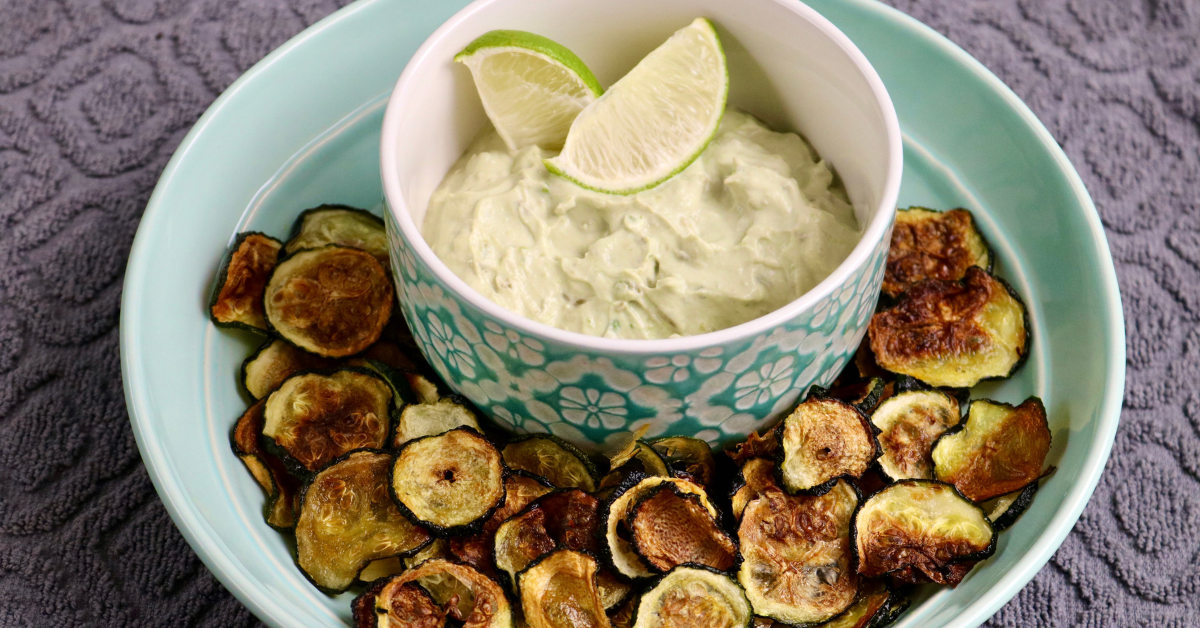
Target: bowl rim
{"x": 252, "y": 593}
{"x": 860, "y": 255}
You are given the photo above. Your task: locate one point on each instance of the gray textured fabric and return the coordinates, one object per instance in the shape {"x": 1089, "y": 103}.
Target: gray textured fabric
{"x": 94, "y": 97}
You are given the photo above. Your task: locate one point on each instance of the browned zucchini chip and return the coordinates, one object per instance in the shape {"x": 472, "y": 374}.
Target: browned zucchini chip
{"x": 757, "y": 475}
{"x": 689, "y": 458}
{"x": 797, "y": 559}
{"x": 559, "y": 590}
{"x": 553, "y": 458}
{"x": 430, "y": 419}
{"x": 953, "y": 333}
{"x": 237, "y": 295}
{"x": 865, "y": 395}
{"x": 617, "y": 537}
{"x": 1006, "y": 509}
{"x": 315, "y": 417}
{"x": 1000, "y": 449}
{"x": 427, "y": 389}
{"x": 342, "y": 225}
{"x": 347, "y": 519}
{"x": 407, "y": 605}
{"x": 908, "y": 425}
{"x": 821, "y": 440}
{"x": 450, "y": 483}
{"x": 917, "y": 530}
{"x": 755, "y": 446}
{"x": 332, "y": 301}
{"x": 466, "y": 595}
{"x": 520, "y": 489}
{"x": 274, "y": 362}
{"x": 692, "y": 596}
{"x": 637, "y": 456}
{"x": 394, "y": 356}
{"x": 282, "y": 488}
{"x": 669, "y": 528}
{"x": 928, "y": 244}
{"x": 565, "y": 518}
{"x": 874, "y": 608}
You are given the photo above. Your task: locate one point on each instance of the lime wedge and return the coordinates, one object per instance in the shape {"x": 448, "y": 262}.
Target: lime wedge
{"x": 653, "y": 122}
{"x": 532, "y": 88}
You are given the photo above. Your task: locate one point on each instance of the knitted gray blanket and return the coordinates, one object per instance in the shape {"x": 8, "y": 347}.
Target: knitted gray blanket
{"x": 95, "y": 96}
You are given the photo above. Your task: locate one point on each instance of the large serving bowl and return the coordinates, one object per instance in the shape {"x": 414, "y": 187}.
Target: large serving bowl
{"x": 788, "y": 66}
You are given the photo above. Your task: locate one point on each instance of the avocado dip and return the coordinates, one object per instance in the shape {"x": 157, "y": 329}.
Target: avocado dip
{"x": 754, "y": 223}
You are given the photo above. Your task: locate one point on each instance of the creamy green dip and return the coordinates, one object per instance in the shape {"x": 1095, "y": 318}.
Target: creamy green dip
{"x": 750, "y": 226}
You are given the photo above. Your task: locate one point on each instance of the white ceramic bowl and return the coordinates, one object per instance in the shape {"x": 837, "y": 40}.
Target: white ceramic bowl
{"x": 789, "y": 67}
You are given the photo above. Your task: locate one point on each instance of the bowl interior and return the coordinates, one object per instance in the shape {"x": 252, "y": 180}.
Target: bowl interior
{"x": 787, "y": 66}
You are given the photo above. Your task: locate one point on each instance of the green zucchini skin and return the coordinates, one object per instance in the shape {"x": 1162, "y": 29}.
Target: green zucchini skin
{"x": 222, "y": 276}
{"x": 467, "y": 529}
{"x": 658, "y": 581}
{"x": 967, "y": 558}
{"x": 300, "y": 508}
{"x": 295, "y": 467}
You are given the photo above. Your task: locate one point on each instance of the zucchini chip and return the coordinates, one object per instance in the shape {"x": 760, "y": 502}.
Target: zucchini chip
{"x": 342, "y": 225}
{"x": 669, "y": 528}
{"x": 689, "y": 458}
{"x": 1006, "y": 509}
{"x": 281, "y": 487}
{"x": 427, "y": 390}
{"x": 1000, "y": 449}
{"x": 797, "y": 558}
{"x": 450, "y": 483}
{"x": 755, "y": 446}
{"x": 520, "y": 489}
{"x": 382, "y": 568}
{"x": 237, "y": 294}
{"x": 394, "y": 356}
{"x": 921, "y": 530}
{"x": 821, "y": 440}
{"x": 928, "y": 244}
{"x": 865, "y": 395}
{"x": 756, "y": 476}
{"x": 875, "y": 607}
{"x": 617, "y": 541}
{"x": 565, "y": 518}
{"x": 347, "y": 520}
{"x": 953, "y": 333}
{"x": 693, "y": 596}
{"x": 274, "y": 362}
{"x": 636, "y": 457}
{"x": 559, "y": 590}
{"x": 332, "y": 301}
{"x": 553, "y": 458}
{"x": 430, "y": 419}
{"x": 407, "y": 605}
{"x": 908, "y": 425}
{"x": 468, "y": 596}
{"x": 316, "y": 417}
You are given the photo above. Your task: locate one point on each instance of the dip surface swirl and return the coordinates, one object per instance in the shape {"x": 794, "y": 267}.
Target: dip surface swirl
{"x": 754, "y": 223}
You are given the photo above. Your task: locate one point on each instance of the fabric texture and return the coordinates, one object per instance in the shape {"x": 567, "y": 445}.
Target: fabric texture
{"x": 96, "y": 94}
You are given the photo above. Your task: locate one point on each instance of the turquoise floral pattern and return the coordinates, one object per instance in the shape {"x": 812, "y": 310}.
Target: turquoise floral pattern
{"x": 718, "y": 394}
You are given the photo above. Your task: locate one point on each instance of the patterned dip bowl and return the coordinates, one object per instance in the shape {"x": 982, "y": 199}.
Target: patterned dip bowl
{"x": 789, "y": 67}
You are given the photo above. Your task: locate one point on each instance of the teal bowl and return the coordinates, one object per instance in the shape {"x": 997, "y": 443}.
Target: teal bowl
{"x": 303, "y": 127}
{"x": 788, "y": 66}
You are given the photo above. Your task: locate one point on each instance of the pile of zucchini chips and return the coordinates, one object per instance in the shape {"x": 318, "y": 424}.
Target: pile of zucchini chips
{"x": 397, "y": 488}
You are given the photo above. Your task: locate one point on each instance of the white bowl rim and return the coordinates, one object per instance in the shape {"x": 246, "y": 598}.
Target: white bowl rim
{"x": 876, "y": 231}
